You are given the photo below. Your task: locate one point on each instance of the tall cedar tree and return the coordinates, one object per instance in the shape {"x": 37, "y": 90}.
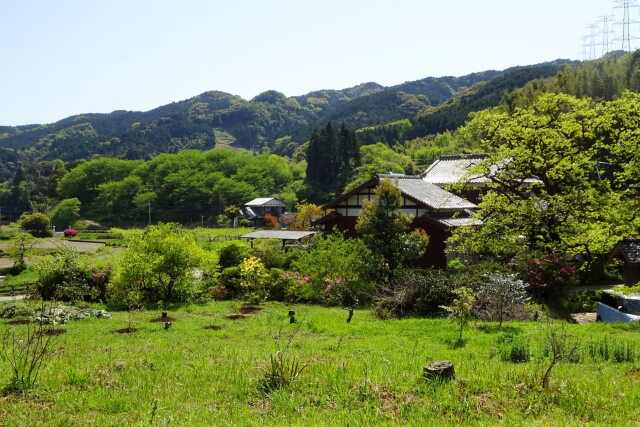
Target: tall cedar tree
{"x": 331, "y": 157}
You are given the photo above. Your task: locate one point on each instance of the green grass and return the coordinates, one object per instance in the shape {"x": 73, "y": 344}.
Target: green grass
{"x": 226, "y": 140}
{"x": 364, "y": 373}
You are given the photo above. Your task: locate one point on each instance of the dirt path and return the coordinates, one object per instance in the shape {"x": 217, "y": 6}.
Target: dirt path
{"x": 53, "y": 244}
{"x": 584, "y": 318}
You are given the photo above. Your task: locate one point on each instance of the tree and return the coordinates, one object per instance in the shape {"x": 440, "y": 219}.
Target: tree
{"x": 332, "y": 156}
{"x": 18, "y": 250}
{"x": 160, "y": 265}
{"x": 37, "y": 224}
{"x": 576, "y": 205}
{"x": 65, "y": 213}
{"x": 378, "y": 158}
{"x": 500, "y": 294}
{"x": 385, "y": 230}
{"x": 460, "y": 309}
{"x": 305, "y": 214}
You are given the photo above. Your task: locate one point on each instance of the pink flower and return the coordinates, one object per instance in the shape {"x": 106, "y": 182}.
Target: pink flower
{"x": 306, "y": 278}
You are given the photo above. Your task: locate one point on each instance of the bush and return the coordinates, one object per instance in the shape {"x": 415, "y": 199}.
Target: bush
{"x": 230, "y": 278}
{"x": 272, "y": 254}
{"x": 63, "y": 277}
{"x": 277, "y": 285}
{"x": 70, "y": 232}
{"x": 417, "y": 293}
{"x": 501, "y": 297}
{"x": 37, "y": 224}
{"x": 166, "y": 263}
{"x": 549, "y": 276}
{"x": 232, "y": 254}
{"x": 339, "y": 271}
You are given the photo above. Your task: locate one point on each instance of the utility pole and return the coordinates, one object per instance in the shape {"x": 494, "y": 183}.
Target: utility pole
{"x": 202, "y": 221}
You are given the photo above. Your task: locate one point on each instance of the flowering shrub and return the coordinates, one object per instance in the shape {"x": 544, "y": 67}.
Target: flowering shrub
{"x": 70, "y": 232}
{"x": 297, "y": 285}
{"x": 549, "y": 275}
{"x": 254, "y": 275}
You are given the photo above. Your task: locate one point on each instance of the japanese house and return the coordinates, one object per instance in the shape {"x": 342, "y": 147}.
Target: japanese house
{"x": 434, "y": 210}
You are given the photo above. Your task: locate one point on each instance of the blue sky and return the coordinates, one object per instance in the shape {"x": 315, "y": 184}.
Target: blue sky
{"x": 66, "y": 57}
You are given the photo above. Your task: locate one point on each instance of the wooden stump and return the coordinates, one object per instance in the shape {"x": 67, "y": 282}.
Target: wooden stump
{"x": 292, "y": 316}
{"x": 165, "y": 314}
{"x": 442, "y": 369}
{"x": 350, "y": 315}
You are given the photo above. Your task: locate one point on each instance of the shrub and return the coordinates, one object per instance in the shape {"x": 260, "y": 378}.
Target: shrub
{"x": 26, "y": 350}
{"x": 164, "y": 263}
{"x": 417, "y": 293}
{"x": 277, "y": 285}
{"x": 70, "y": 232}
{"x": 549, "y": 276}
{"x": 245, "y": 223}
{"x": 272, "y": 254}
{"x": 232, "y": 254}
{"x": 64, "y": 277}
{"x": 339, "y": 271}
{"x": 501, "y": 297}
{"x": 271, "y": 222}
{"x": 254, "y": 279}
{"x": 37, "y": 224}
{"x": 296, "y": 286}
{"x": 230, "y": 278}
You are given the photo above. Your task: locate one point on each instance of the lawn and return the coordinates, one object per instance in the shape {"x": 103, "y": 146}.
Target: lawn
{"x": 363, "y": 373}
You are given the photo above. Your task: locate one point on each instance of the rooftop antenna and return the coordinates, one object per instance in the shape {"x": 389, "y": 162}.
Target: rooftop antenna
{"x": 626, "y": 6}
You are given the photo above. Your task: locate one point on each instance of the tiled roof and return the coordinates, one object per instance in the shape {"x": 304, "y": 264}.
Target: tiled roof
{"x": 451, "y": 169}
{"x": 455, "y": 168}
{"x": 458, "y": 222}
{"x": 630, "y": 248}
{"x": 429, "y": 194}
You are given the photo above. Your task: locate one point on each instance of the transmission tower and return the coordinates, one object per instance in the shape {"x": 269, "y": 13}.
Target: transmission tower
{"x": 590, "y": 41}
{"x": 626, "y": 6}
{"x": 606, "y": 32}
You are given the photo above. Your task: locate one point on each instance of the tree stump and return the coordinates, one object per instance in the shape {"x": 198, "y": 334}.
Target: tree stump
{"x": 165, "y": 314}
{"x": 292, "y": 316}
{"x": 442, "y": 369}
{"x": 350, "y": 315}
{"x": 167, "y": 325}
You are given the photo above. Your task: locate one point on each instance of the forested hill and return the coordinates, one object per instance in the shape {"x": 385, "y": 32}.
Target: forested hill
{"x": 250, "y": 124}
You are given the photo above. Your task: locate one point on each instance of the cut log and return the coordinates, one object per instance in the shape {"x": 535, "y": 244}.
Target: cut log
{"x": 442, "y": 369}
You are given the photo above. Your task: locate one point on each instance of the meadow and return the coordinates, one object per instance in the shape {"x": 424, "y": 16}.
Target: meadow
{"x": 363, "y": 373}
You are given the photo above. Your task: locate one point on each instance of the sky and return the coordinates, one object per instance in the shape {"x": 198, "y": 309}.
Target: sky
{"x": 65, "y": 57}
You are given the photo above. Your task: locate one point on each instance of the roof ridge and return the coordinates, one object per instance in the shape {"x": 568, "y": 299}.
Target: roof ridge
{"x": 463, "y": 156}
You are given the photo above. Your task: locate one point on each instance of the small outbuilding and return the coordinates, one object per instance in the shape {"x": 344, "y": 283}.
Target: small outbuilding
{"x": 256, "y": 209}
{"x": 628, "y": 251}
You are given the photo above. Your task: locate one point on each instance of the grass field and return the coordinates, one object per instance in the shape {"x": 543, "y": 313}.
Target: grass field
{"x": 363, "y": 373}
